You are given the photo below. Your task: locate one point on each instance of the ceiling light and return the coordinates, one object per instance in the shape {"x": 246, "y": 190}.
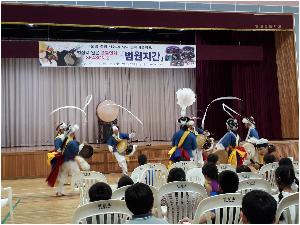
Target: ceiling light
{"x": 181, "y": 30}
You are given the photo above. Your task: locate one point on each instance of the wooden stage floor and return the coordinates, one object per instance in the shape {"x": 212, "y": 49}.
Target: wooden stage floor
{"x": 36, "y": 202}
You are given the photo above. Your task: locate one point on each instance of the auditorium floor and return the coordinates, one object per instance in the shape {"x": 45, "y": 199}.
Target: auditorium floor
{"x": 35, "y": 202}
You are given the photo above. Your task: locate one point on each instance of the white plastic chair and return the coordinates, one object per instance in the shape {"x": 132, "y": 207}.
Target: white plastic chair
{"x": 120, "y": 193}
{"x": 248, "y": 185}
{"x": 137, "y": 172}
{"x": 249, "y": 175}
{"x": 155, "y": 175}
{"x": 181, "y": 199}
{"x": 8, "y": 200}
{"x": 103, "y": 212}
{"x": 195, "y": 175}
{"x": 296, "y": 165}
{"x": 268, "y": 173}
{"x": 76, "y": 178}
{"x": 286, "y": 206}
{"x": 83, "y": 180}
{"x": 226, "y": 209}
{"x": 185, "y": 165}
{"x": 297, "y": 173}
{"x": 223, "y": 167}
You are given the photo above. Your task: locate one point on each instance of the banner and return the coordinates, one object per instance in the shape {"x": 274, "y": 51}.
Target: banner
{"x": 57, "y": 54}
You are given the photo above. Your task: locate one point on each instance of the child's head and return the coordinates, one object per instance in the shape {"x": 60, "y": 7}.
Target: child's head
{"x": 285, "y": 176}
{"x": 176, "y": 174}
{"x": 100, "y": 191}
{"x": 228, "y": 182}
{"x": 139, "y": 199}
{"x": 142, "y": 159}
{"x": 210, "y": 171}
{"x": 285, "y": 161}
{"x": 213, "y": 158}
{"x": 269, "y": 158}
{"x": 125, "y": 180}
{"x": 258, "y": 207}
{"x": 243, "y": 168}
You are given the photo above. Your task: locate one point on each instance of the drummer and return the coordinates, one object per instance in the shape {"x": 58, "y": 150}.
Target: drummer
{"x": 250, "y": 125}
{"x": 230, "y": 142}
{"x": 112, "y": 143}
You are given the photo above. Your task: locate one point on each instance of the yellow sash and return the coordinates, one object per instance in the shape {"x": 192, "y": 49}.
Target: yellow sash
{"x": 50, "y": 156}
{"x": 232, "y": 157}
{"x": 182, "y": 139}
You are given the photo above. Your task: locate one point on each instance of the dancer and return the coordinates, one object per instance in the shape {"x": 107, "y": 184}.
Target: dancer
{"x": 230, "y": 143}
{"x": 67, "y": 162}
{"x": 113, "y": 142}
{"x": 250, "y": 125}
{"x": 184, "y": 141}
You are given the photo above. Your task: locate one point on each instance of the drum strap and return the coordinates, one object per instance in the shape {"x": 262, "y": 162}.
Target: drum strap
{"x": 117, "y": 137}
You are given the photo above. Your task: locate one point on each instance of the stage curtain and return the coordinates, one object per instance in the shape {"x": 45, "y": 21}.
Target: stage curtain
{"x": 256, "y": 83}
{"x": 29, "y": 93}
{"x": 287, "y": 84}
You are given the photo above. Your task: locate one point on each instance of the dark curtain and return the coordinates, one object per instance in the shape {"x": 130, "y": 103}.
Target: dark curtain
{"x": 253, "y": 81}
{"x": 213, "y": 80}
{"x": 256, "y": 83}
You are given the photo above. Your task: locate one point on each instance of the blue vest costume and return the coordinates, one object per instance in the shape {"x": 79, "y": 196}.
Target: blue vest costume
{"x": 113, "y": 142}
{"x": 71, "y": 150}
{"x": 58, "y": 142}
{"x": 253, "y": 133}
{"x": 189, "y": 144}
{"x": 229, "y": 139}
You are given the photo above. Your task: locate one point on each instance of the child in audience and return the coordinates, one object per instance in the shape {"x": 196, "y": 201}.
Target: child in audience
{"x": 258, "y": 207}
{"x": 288, "y": 162}
{"x": 269, "y": 158}
{"x": 139, "y": 200}
{"x": 213, "y": 158}
{"x": 243, "y": 168}
{"x": 228, "y": 182}
{"x": 142, "y": 159}
{"x": 285, "y": 177}
{"x": 210, "y": 172}
{"x": 100, "y": 191}
{"x": 124, "y": 181}
{"x": 176, "y": 174}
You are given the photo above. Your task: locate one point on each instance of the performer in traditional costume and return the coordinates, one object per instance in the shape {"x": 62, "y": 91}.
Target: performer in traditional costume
{"x": 250, "y": 125}
{"x": 230, "y": 143}
{"x": 260, "y": 144}
{"x": 116, "y": 139}
{"x": 61, "y": 135}
{"x": 198, "y": 153}
{"x": 68, "y": 162}
{"x": 184, "y": 141}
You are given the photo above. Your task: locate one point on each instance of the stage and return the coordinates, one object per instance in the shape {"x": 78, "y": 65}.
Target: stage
{"x": 31, "y": 162}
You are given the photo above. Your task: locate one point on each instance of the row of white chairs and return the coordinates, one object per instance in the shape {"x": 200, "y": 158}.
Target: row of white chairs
{"x": 155, "y": 174}
{"x": 191, "y": 201}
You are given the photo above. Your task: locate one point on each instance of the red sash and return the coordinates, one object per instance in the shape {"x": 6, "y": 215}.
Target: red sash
{"x": 51, "y": 179}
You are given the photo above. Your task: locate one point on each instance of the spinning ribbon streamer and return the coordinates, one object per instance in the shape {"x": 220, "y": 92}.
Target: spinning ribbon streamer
{"x": 88, "y": 99}
{"x": 227, "y": 107}
{"x": 113, "y": 104}
{"x": 217, "y": 99}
